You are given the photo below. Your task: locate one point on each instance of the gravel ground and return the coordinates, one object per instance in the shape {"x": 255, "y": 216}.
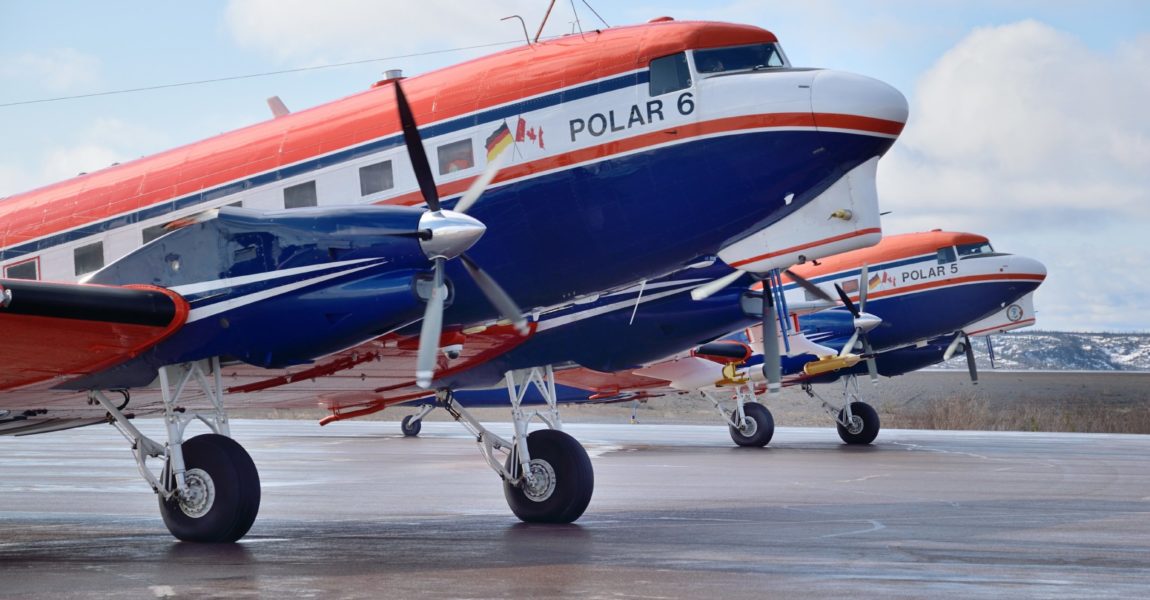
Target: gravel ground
{"x": 1007, "y": 400}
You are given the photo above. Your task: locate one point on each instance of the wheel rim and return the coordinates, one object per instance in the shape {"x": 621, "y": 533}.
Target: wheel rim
{"x": 856, "y": 425}
{"x": 200, "y": 495}
{"x": 750, "y": 426}
{"x": 542, "y": 482}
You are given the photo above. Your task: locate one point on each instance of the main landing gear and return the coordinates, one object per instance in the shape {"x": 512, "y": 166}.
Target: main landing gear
{"x": 750, "y": 423}
{"x": 857, "y": 421}
{"x": 547, "y": 475}
{"x": 208, "y": 488}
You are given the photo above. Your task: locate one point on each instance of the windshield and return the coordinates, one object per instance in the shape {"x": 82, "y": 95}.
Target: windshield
{"x": 738, "y": 58}
{"x": 979, "y": 249}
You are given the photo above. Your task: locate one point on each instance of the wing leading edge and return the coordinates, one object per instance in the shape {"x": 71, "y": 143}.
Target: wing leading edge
{"x": 55, "y": 331}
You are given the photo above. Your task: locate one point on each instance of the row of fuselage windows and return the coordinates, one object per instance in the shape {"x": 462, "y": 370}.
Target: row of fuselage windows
{"x": 668, "y": 74}
{"x": 373, "y": 178}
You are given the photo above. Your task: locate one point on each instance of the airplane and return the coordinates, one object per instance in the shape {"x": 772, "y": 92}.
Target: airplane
{"x": 300, "y": 247}
{"x": 909, "y": 302}
{"x": 924, "y": 295}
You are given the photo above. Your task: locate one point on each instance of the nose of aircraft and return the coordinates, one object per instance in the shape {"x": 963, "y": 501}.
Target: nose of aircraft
{"x": 838, "y": 93}
{"x": 1024, "y": 266}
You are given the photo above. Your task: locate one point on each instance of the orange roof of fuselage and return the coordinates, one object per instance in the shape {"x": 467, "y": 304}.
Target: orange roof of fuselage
{"x": 892, "y": 247}
{"x": 449, "y": 92}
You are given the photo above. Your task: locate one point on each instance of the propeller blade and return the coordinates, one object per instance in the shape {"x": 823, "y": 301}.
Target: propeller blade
{"x": 480, "y": 184}
{"x": 864, "y": 287}
{"x": 871, "y": 365}
{"x": 430, "y": 330}
{"x": 970, "y": 360}
{"x": 953, "y": 347}
{"x": 846, "y": 300}
{"x": 708, "y": 289}
{"x": 772, "y": 363}
{"x": 414, "y": 143}
{"x": 815, "y": 290}
{"x": 500, "y": 299}
{"x": 848, "y": 347}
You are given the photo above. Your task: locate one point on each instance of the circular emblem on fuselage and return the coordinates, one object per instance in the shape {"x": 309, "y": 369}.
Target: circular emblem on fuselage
{"x": 1014, "y": 313}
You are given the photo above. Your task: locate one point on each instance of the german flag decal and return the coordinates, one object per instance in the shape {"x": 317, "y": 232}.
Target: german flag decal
{"x": 498, "y": 140}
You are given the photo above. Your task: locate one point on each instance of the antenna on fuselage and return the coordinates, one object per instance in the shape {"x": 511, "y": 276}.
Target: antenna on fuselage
{"x": 278, "y": 108}
{"x": 577, "y": 23}
{"x": 523, "y": 24}
{"x": 596, "y": 13}
{"x": 544, "y": 22}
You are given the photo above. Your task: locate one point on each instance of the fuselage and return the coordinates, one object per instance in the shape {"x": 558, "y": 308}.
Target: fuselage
{"x": 921, "y": 285}
{"x": 626, "y": 160}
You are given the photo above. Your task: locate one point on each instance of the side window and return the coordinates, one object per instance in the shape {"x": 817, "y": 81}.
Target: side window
{"x": 29, "y": 269}
{"x": 153, "y": 232}
{"x": 946, "y": 255}
{"x": 88, "y": 258}
{"x": 375, "y": 178}
{"x": 669, "y": 74}
{"x": 300, "y": 196}
{"x": 455, "y": 157}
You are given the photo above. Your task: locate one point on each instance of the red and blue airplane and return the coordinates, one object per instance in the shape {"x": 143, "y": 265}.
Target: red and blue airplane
{"x": 259, "y": 256}
{"x": 919, "y": 299}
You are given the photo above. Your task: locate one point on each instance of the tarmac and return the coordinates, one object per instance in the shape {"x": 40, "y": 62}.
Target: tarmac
{"x": 354, "y": 510}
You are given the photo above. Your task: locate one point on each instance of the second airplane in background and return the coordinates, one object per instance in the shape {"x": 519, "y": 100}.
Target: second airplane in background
{"x": 924, "y": 294}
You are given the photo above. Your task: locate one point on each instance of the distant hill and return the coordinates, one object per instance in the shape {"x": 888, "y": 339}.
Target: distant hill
{"x": 1063, "y": 351}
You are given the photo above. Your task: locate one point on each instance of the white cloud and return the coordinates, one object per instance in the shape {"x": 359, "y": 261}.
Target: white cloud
{"x": 57, "y": 70}
{"x": 1023, "y": 133}
{"x": 305, "y": 30}
{"x": 1024, "y": 118}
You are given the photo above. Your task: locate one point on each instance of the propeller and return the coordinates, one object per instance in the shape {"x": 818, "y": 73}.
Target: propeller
{"x": 862, "y": 322}
{"x": 451, "y": 233}
{"x": 961, "y": 337}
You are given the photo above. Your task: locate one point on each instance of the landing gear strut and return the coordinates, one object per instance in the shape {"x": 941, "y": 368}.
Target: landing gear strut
{"x": 750, "y": 423}
{"x": 547, "y": 475}
{"x": 209, "y": 489}
{"x": 857, "y": 422}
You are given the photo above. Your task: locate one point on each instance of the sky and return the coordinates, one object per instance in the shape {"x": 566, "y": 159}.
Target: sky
{"x": 1028, "y": 118}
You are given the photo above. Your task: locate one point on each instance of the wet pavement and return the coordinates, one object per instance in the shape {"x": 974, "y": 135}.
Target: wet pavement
{"x": 354, "y": 510}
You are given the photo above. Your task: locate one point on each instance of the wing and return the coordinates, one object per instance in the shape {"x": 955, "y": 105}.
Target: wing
{"x": 364, "y": 379}
{"x": 51, "y": 332}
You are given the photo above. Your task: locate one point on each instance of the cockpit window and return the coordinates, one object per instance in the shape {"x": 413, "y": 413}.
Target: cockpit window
{"x": 979, "y": 249}
{"x": 738, "y": 58}
{"x": 946, "y": 255}
{"x": 669, "y": 74}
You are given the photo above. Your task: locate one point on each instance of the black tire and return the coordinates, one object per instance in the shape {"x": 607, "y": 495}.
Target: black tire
{"x": 867, "y": 425}
{"x": 574, "y": 479}
{"x": 411, "y": 426}
{"x": 236, "y": 483}
{"x": 758, "y": 429}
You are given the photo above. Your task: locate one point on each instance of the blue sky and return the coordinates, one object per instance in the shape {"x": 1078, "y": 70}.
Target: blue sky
{"x": 1027, "y": 120}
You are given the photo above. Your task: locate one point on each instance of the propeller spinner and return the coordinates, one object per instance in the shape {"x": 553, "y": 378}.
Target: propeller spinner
{"x": 447, "y": 234}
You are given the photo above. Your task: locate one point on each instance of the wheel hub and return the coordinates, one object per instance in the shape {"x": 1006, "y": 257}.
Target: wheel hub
{"x": 749, "y": 427}
{"x": 200, "y": 494}
{"x": 541, "y": 484}
{"x": 856, "y": 425}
